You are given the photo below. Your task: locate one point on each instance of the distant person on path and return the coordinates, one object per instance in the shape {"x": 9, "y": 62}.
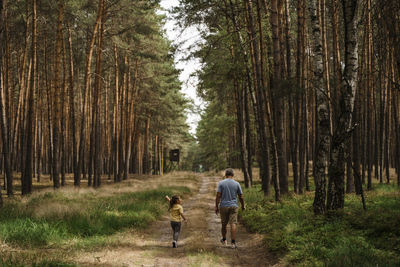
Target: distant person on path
{"x": 176, "y": 214}
{"x": 226, "y": 205}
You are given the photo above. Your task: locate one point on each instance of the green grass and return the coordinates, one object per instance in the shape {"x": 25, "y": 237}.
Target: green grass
{"x": 14, "y": 262}
{"x": 56, "y": 218}
{"x": 350, "y": 237}
{"x": 203, "y": 258}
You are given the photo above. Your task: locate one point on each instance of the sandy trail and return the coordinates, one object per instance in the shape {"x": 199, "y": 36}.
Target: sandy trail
{"x": 198, "y": 242}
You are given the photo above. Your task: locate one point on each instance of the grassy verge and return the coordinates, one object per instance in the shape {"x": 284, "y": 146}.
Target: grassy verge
{"x": 350, "y": 237}
{"x": 75, "y": 220}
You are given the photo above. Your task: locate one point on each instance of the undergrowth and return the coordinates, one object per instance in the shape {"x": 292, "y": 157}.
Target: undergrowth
{"x": 53, "y": 219}
{"x": 351, "y": 237}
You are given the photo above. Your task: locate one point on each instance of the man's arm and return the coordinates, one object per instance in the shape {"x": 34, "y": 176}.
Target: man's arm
{"x": 241, "y": 199}
{"x": 217, "y": 200}
{"x": 167, "y": 198}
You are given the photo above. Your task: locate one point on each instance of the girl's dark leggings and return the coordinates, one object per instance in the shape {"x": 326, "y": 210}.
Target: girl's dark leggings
{"x": 176, "y": 228}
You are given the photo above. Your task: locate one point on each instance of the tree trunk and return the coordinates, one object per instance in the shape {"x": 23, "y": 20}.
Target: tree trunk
{"x": 386, "y": 149}
{"x": 396, "y": 122}
{"x": 146, "y": 156}
{"x": 63, "y": 120}
{"x": 242, "y": 144}
{"x": 3, "y": 119}
{"x": 56, "y": 101}
{"x": 248, "y": 135}
{"x": 349, "y": 166}
{"x": 344, "y": 125}
{"x": 262, "y": 111}
{"x": 77, "y": 180}
{"x": 26, "y": 179}
{"x": 89, "y": 56}
{"x": 323, "y": 121}
{"x": 301, "y": 100}
{"x": 322, "y": 10}
{"x": 277, "y": 100}
{"x": 130, "y": 120}
{"x": 115, "y": 117}
{"x": 97, "y": 101}
{"x": 337, "y": 69}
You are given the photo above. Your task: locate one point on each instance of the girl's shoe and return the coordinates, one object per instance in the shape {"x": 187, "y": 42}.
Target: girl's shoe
{"x": 174, "y": 244}
{"x": 224, "y": 242}
{"x": 233, "y": 245}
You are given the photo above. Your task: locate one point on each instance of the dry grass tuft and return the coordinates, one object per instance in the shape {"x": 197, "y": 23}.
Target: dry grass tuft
{"x": 56, "y": 210}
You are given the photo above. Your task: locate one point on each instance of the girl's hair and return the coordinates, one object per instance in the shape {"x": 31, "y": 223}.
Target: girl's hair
{"x": 173, "y": 201}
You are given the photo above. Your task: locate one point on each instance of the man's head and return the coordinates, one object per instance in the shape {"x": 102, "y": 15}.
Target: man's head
{"x": 229, "y": 172}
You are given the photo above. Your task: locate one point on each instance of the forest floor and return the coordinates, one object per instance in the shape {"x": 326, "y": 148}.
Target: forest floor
{"x": 198, "y": 242}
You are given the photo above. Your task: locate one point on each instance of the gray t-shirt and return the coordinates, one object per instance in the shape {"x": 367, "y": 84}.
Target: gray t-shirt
{"x": 229, "y": 189}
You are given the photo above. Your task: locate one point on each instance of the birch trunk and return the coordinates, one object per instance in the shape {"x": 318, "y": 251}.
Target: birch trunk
{"x": 323, "y": 121}
{"x": 344, "y": 125}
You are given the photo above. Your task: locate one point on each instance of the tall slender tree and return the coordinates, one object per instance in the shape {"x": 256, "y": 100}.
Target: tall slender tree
{"x": 323, "y": 119}
{"x": 344, "y": 125}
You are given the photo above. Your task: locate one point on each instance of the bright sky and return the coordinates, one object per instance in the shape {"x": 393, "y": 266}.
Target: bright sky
{"x": 189, "y": 37}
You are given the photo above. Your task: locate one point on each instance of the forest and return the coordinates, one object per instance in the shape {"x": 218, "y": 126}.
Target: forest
{"x": 294, "y": 84}
{"x": 301, "y": 98}
{"x": 88, "y": 88}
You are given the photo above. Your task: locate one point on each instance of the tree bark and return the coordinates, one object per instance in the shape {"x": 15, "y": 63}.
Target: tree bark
{"x": 356, "y": 146}
{"x": 146, "y": 154}
{"x": 262, "y": 110}
{"x": 77, "y": 180}
{"x": 239, "y": 115}
{"x": 89, "y": 56}
{"x": 97, "y": 102}
{"x": 344, "y": 125}
{"x": 3, "y": 119}
{"x": 323, "y": 120}
{"x": 115, "y": 117}
{"x": 26, "y": 179}
{"x": 277, "y": 98}
{"x": 56, "y": 100}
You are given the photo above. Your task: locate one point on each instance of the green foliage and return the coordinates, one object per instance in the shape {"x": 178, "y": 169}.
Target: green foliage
{"x": 224, "y": 70}
{"x": 30, "y": 231}
{"x": 96, "y": 216}
{"x": 351, "y": 237}
{"x": 213, "y": 138}
{"x": 143, "y": 54}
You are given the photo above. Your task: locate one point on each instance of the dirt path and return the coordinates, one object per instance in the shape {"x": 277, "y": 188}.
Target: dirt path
{"x": 198, "y": 243}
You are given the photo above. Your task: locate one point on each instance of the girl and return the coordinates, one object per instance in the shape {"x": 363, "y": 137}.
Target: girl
{"x": 176, "y": 213}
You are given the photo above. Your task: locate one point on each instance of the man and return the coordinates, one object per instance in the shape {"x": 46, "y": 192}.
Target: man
{"x": 226, "y": 205}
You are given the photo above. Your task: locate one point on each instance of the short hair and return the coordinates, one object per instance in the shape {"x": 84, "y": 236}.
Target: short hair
{"x": 229, "y": 172}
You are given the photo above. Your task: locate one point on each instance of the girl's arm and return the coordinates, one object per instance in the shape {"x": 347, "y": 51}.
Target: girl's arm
{"x": 167, "y": 198}
{"x": 183, "y": 216}
{"x": 181, "y": 212}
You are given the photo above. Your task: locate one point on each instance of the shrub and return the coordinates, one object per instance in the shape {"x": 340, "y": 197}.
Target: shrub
{"x": 350, "y": 237}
